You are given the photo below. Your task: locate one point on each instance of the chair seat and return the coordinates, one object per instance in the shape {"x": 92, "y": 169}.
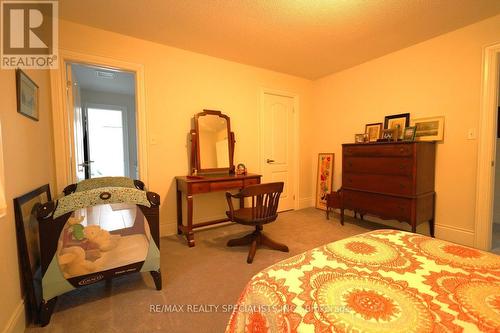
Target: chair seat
{"x": 244, "y": 216}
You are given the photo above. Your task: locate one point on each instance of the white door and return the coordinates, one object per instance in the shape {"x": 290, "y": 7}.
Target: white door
{"x": 74, "y": 103}
{"x": 278, "y": 139}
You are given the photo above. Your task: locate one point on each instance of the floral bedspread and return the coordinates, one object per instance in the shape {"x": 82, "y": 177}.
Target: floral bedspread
{"x": 381, "y": 281}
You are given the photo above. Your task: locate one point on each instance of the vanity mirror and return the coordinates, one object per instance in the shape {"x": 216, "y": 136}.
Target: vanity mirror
{"x": 212, "y": 143}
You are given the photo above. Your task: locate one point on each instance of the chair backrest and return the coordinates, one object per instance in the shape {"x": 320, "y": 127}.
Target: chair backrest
{"x": 265, "y": 200}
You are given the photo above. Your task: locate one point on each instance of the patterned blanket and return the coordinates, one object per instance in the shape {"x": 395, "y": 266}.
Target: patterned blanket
{"x": 381, "y": 281}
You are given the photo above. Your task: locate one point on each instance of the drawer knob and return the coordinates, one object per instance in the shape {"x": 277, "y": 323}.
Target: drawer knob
{"x": 402, "y": 185}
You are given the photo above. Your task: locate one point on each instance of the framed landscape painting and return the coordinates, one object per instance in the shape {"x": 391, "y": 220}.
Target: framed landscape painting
{"x": 325, "y": 178}
{"x": 27, "y": 95}
{"x": 429, "y": 129}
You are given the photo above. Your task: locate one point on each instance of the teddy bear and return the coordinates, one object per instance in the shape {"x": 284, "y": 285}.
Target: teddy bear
{"x": 73, "y": 263}
{"x": 101, "y": 238}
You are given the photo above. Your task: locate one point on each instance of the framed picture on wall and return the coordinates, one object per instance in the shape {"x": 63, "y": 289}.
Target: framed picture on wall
{"x": 429, "y": 129}
{"x": 397, "y": 121}
{"x": 27, "y": 95}
{"x": 325, "y": 178}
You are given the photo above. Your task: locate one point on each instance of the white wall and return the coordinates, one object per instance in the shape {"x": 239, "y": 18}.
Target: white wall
{"x": 29, "y": 164}
{"x": 179, "y": 84}
{"x": 441, "y": 76}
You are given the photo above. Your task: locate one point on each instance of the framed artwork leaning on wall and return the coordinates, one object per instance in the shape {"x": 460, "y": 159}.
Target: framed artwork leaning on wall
{"x": 324, "y": 182}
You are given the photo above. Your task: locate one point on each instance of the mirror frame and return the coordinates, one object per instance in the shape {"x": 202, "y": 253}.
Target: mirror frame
{"x": 196, "y": 166}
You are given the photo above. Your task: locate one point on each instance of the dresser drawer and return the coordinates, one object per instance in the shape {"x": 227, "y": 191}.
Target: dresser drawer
{"x": 229, "y": 185}
{"x": 398, "y": 185}
{"x": 200, "y": 188}
{"x": 379, "y": 150}
{"x": 378, "y": 165}
{"x": 383, "y": 206}
{"x": 251, "y": 181}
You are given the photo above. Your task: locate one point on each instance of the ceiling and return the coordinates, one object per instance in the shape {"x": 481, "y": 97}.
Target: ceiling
{"x": 306, "y": 38}
{"x": 118, "y": 82}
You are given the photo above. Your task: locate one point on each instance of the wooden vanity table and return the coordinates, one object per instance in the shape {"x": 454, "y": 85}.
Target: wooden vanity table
{"x": 188, "y": 186}
{"x": 212, "y": 167}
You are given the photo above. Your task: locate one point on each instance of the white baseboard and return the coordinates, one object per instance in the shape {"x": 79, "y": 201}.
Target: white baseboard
{"x": 306, "y": 202}
{"x": 454, "y": 234}
{"x": 17, "y": 321}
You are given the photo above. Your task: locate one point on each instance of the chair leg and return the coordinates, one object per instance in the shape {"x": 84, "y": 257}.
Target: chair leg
{"x": 245, "y": 240}
{"x": 272, "y": 244}
{"x": 253, "y": 249}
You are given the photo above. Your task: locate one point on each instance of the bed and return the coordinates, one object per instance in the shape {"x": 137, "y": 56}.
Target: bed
{"x": 380, "y": 281}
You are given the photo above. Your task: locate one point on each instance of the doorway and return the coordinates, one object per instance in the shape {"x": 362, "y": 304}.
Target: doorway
{"x": 278, "y": 142}
{"x": 495, "y": 226}
{"x": 486, "y": 161}
{"x": 104, "y": 121}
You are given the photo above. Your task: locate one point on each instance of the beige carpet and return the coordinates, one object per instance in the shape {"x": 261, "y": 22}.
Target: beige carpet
{"x": 208, "y": 274}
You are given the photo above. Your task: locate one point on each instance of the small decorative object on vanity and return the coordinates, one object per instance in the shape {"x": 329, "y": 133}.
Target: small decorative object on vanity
{"x": 241, "y": 169}
{"x": 409, "y": 133}
{"x": 325, "y": 178}
{"x": 398, "y": 121}
{"x": 359, "y": 138}
{"x": 429, "y": 129}
{"x": 373, "y": 131}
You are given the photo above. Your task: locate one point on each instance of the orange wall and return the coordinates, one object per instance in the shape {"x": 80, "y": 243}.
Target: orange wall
{"x": 179, "y": 84}
{"x": 29, "y": 163}
{"x": 441, "y": 76}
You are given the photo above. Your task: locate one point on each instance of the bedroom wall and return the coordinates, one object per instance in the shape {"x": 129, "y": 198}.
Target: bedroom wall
{"x": 179, "y": 84}
{"x": 29, "y": 163}
{"x": 441, "y": 76}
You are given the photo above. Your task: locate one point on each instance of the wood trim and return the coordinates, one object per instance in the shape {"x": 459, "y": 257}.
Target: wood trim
{"x": 487, "y": 147}
{"x": 62, "y": 119}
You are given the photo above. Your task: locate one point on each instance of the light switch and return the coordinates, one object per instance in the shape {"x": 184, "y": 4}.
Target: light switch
{"x": 471, "y": 134}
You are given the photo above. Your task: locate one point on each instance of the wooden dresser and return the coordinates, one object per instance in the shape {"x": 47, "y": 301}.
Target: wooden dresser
{"x": 393, "y": 181}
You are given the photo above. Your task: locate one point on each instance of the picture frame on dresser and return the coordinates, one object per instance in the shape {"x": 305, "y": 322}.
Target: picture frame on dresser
{"x": 429, "y": 128}
{"x": 373, "y": 131}
{"x": 359, "y": 138}
{"x": 389, "y": 134}
{"x": 324, "y": 181}
{"x": 409, "y": 133}
{"x": 397, "y": 121}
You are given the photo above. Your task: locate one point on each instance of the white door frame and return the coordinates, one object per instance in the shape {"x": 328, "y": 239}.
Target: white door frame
{"x": 295, "y": 157}
{"x": 63, "y": 120}
{"x": 487, "y": 147}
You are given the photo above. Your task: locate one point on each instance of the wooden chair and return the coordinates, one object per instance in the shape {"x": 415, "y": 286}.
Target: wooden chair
{"x": 265, "y": 199}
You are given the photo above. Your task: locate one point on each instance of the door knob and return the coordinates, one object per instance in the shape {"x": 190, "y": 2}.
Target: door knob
{"x": 270, "y": 161}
